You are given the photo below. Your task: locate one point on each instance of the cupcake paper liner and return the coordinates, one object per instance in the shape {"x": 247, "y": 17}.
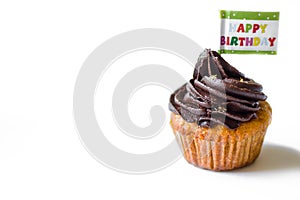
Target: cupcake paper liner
{"x": 220, "y": 148}
{"x": 220, "y": 156}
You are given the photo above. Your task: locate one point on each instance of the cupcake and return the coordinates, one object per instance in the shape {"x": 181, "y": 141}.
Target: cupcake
{"x": 220, "y": 117}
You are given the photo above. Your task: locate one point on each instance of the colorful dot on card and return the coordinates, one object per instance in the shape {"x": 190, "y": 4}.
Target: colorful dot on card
{"x": 274, "y": 16}
{"x": 258, "y": 14}
{"x": 268, "y": 17}
{"x": 233, "y": 14}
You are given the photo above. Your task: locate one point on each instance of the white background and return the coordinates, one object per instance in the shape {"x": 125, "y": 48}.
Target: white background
{"x": 42, "y": 47}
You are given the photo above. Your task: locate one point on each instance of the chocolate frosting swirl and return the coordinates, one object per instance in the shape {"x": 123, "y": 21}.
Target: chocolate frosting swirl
{"x": 217, "y": 94}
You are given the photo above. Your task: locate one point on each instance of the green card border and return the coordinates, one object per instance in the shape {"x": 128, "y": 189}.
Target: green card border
{"x": 225, "y": 51}
{"x": 249, "y": 15}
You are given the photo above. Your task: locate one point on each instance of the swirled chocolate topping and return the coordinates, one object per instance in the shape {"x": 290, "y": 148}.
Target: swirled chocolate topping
{"x": 217, "y": 94}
